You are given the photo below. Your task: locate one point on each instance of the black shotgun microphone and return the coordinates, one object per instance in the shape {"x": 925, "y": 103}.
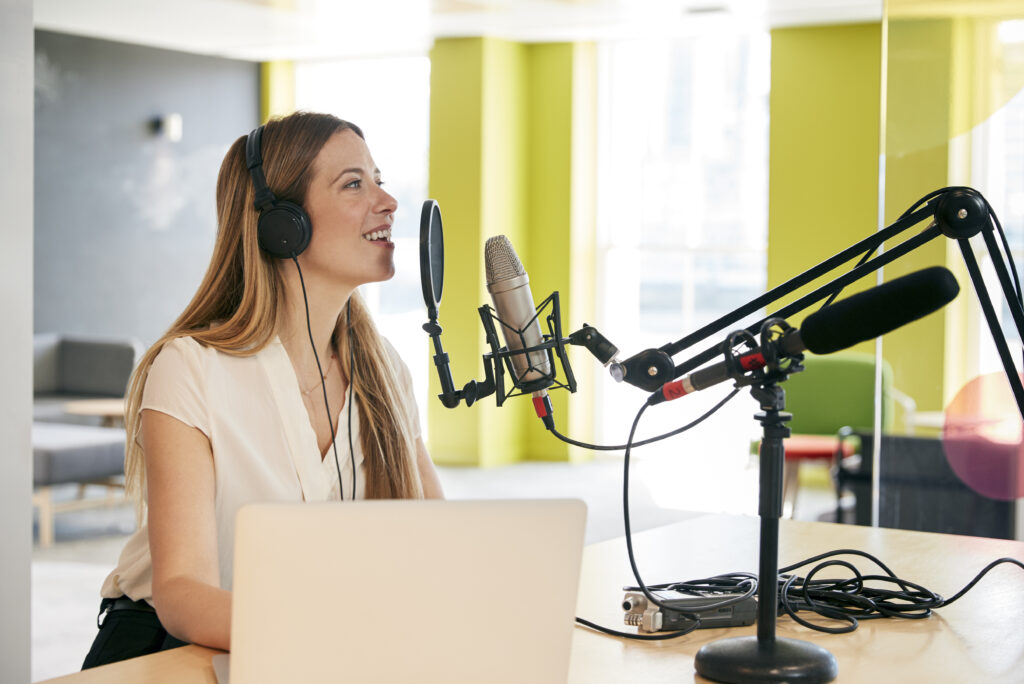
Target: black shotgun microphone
{"x": 517, "y": 316}
{"x": 869, "y": 314}
{"x": 857, "y": 318}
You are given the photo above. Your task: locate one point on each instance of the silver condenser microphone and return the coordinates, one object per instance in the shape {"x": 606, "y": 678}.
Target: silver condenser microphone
{"x": 513, "y": 302}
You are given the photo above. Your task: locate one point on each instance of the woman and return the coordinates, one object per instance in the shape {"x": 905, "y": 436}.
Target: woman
{"x": 274, "y": 362}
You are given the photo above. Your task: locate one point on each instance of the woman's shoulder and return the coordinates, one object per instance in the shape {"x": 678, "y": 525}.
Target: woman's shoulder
{"x": 393, "y": 354}
{"x": 182, "y": 349}
{"x": 193, "y": 352}
{"x": 397, "y": 362}
{"x": 185, "y": 353}
{"x": 180, "y": 360}
{"x": 184, "y": 343}
{"x": 176, "y": 382}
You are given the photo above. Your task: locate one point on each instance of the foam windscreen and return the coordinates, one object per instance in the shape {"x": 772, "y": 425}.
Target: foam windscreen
{"x": 881, "y": 309}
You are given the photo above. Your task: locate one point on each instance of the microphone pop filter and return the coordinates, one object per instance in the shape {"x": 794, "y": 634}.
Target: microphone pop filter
{"x": 431, "y": 256}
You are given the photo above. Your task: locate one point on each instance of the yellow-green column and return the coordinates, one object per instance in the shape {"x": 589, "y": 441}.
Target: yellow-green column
{"x": 456, "y": 182}
{"x": 560, "y": 186}
{"x": 825, "y": 138}
{"x": 277, "y": 89}
{"x": 501, "y": 162}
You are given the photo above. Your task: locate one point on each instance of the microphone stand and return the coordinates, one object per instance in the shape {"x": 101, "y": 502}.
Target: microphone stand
{"x": 765, "y": 658}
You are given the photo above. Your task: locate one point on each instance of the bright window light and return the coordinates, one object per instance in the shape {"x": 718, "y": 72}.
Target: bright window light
{"x": 1011, "y": 32}
{"x": 683, "y": 200}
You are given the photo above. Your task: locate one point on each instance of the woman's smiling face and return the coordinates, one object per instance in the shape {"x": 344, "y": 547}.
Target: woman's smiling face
{"x": 351, "y": 214}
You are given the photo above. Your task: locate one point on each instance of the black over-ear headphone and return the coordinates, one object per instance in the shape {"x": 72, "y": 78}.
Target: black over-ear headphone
{"x": 284, "y": 228}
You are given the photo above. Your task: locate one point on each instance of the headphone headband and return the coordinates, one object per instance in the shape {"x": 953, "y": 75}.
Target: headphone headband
{"x": 264, "y": 198}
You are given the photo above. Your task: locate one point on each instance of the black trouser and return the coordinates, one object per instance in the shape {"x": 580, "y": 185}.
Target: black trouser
{"x": 127, "y": 629}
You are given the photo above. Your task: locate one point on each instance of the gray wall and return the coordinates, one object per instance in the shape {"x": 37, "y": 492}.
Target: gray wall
{"x": 125, "y": 220}
{"x": 16, "y": 340}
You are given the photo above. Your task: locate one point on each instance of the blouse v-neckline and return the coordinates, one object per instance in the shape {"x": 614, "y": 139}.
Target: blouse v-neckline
{"x": 309, "y": 462}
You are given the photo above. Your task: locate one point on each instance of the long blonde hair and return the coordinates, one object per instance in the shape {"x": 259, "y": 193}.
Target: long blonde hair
{"x": 235, "y": 310}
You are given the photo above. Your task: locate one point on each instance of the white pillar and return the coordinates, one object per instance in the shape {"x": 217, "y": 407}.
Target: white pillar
{"x": 16, "y": 197}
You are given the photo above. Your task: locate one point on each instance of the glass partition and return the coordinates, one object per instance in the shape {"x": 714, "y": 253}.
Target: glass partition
{"x": 953, "y": 115}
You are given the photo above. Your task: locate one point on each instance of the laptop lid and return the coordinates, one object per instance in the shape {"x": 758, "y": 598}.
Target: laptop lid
{"x": 406, "y": 591}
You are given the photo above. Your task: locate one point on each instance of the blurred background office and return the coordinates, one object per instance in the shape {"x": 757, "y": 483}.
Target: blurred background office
{"x": 658, "y": 163}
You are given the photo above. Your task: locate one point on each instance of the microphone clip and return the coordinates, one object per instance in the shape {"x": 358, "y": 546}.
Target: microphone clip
{"x": 500, "y": 358}
{"x": 780, "y": 360}
{"x": 772, "y": 364}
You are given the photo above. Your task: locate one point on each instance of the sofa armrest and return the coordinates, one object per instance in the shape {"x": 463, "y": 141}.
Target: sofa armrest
{"x": 44, "y": 363}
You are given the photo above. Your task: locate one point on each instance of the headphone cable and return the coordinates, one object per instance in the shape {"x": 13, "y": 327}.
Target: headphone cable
{"x": 351, "y": 381}
{"x": 323, "y": 387}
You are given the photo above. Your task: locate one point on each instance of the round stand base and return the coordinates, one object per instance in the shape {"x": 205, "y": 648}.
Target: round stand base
{"x": 744, "y": 660}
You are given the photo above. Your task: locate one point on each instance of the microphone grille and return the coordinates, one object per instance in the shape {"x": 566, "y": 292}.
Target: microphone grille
{"x": 501, "y": 261}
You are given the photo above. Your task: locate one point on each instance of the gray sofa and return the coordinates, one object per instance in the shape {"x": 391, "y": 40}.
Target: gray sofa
{"x": 70, "y": 448}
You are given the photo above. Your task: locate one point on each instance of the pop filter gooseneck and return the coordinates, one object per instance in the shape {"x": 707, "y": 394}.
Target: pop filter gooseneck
{"x": 432, "y": 281}
{"x": 431, "y": 256}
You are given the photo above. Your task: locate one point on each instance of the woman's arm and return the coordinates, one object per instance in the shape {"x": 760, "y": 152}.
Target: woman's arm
{"x": 183, "y": 532}
{"x": 428, "y": 474}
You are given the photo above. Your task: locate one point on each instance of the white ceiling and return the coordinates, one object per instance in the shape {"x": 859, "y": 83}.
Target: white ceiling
{"x": 263, "y": 30}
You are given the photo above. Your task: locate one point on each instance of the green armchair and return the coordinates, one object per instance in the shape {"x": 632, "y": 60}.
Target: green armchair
{"x": 835, "y": 393}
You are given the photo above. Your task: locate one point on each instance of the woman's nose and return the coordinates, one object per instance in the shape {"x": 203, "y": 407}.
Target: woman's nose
{"x": 386, "y": 202}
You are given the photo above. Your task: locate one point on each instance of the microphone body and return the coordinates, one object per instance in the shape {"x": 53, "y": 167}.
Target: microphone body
{"x": 509, "y": 287}
{"x": 857, "y": 318}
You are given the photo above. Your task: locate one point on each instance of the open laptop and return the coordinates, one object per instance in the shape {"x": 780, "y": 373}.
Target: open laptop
{"x": 404, "y": 591}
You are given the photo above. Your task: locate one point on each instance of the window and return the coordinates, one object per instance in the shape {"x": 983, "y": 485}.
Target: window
{"x": 683, "y": 200}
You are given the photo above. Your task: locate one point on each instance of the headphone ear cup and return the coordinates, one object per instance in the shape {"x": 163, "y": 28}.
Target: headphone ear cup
{"x": 284, "y": 229}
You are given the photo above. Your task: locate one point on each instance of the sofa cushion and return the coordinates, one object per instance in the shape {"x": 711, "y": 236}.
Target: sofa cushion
{"x": 75, "y": 453}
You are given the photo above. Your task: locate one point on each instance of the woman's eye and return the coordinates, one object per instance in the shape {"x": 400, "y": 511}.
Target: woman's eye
{"x": 353, "y": 184}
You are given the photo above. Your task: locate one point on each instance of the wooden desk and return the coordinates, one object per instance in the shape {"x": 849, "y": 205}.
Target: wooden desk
{"x": 978, "y": 638}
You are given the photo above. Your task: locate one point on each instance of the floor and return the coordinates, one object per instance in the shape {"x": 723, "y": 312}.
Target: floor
{"x": 66, "y": 577}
